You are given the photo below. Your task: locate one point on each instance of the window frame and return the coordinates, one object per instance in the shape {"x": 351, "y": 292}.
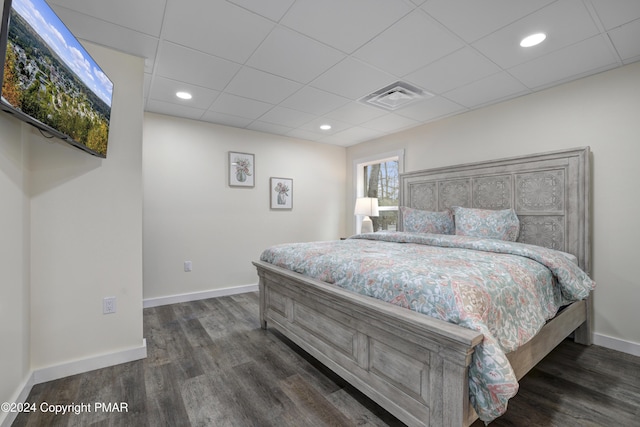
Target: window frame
{"x": 358, "y": 180}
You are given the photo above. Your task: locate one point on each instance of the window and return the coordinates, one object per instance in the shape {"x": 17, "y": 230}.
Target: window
{"x": 381, "y": 181}
{"x": 379, "y": 177}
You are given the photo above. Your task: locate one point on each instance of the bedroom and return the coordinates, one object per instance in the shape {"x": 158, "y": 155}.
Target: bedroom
{"x": 55, "y": 279}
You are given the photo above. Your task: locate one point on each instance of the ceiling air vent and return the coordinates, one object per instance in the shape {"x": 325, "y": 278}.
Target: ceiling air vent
{"x": 394, "y": 96}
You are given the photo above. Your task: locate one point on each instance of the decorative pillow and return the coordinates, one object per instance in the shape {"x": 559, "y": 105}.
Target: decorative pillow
{"x": 492, "y": 224}
{"x": 419, "y": 221}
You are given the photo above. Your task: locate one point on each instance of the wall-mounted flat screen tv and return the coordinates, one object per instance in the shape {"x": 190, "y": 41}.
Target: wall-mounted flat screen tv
{"x": 49, "y": 80}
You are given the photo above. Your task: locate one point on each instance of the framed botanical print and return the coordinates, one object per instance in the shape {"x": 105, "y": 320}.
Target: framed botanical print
{"x": 241, "y": 169}
{"x": 281, "y": 190}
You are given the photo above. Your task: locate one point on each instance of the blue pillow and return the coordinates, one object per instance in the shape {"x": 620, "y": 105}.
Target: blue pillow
{"x": 419, "y": 221}
{"x": 492, "y": 224}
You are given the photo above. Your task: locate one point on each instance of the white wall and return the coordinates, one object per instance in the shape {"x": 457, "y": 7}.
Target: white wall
{"x": 601, "y": 111}
{"x": 86, "y": 232}
{"x": 191, "y": 213}
{"x": 14, "y": 260}
{"x": 71, "y": 235}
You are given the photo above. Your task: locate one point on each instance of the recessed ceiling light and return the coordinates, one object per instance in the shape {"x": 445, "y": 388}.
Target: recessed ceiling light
{"x": 325, "y": 127}
{"x": 183, "y": 95}
{"x": 533, "y": 39}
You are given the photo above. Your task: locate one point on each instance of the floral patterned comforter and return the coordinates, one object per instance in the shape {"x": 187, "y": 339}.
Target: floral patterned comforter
{"x": 504, "y": 290}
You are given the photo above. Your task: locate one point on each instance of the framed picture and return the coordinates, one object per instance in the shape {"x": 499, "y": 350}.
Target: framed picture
{"x": 241, "y": 169}
{"x": 281, "y": 190}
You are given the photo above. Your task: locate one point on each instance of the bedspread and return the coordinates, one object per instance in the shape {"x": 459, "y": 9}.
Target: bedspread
{"x": 504, "y": 290}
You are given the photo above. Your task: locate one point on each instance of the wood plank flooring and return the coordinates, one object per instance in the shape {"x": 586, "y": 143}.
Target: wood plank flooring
{"x": 210, "y": 364}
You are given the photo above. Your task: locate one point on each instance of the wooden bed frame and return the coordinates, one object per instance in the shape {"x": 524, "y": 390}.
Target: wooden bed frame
{"x": 413, "y": 365}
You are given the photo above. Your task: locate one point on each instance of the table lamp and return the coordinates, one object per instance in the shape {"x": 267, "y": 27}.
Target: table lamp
{"x": 366, "y": 206}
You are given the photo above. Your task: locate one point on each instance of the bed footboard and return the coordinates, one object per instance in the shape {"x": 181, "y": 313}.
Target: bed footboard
{"x": 414, "y": 366}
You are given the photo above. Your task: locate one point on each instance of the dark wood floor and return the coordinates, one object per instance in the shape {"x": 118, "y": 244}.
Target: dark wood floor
{"x": 209, "y": 364}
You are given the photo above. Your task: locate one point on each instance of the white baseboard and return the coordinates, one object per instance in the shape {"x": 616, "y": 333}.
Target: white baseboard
{"x": 628, "y": 347}
{"x": 85, "y": 365}
{"x": 195, "y": 296}
{"x": 7, "y": 418}
{"x": 71, "y": 368}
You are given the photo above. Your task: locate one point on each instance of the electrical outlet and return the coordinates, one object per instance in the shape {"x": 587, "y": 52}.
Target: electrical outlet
{"x": 187, "y": 266}
{"x": 109, "y": 305}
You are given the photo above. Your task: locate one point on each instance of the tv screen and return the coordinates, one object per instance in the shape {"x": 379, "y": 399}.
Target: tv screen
{"x": 49, "y": 80}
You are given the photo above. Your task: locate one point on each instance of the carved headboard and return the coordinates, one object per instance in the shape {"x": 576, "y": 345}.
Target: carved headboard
{"x": 549, "y": 192}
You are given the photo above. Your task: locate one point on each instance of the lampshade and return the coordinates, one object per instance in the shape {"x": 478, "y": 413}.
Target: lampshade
{"x": 367, "y": 206}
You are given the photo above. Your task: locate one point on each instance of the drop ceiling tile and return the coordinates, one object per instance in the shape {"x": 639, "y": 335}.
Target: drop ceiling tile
{"x": 107, "y": 34}
{"x": 272, "y": 9}
{"x": 626, "y": 40}
{"x": 356, "y": 113}
{"x": 390, "y": 123}
{"x": 581, "y": 59}
{"x": 304, "y": 134}
{"x": 144, "y": 16}
{"x": 226, "y": 119}
{"x": 170, "y": 109}
{"x": 496, "y": 87}
{"x": 430, "y": 109}
{"x": 149, "y": 64}
{"x": 163, "y": 89}
{"x": 215, "y": 27}
{"x": 146, "y": 86}
{"x": 353, "y": 79}
{"x": 195, "y": 67}
{"x": 294, "y": 56}
{"x": 345, "y": 25}
{"x": 352, "y": 136}
{"x": 337, "y": 141}
{"x": 458, "y": 69}
{"x": 234, "y": 30}
{"x": 314, "y": 101}
{"x": 314, "y": 126}
{"x": 261, "y": 86}
{"x": 269, "y": 128}
{"x": 238, "y": 106}
{"x": 503, "y": 46}
{"x": 624, "y": 11}
{"x": 286, "y": 117}
{"x": 413, "y": 42}
{"x": 473, "y": 19}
